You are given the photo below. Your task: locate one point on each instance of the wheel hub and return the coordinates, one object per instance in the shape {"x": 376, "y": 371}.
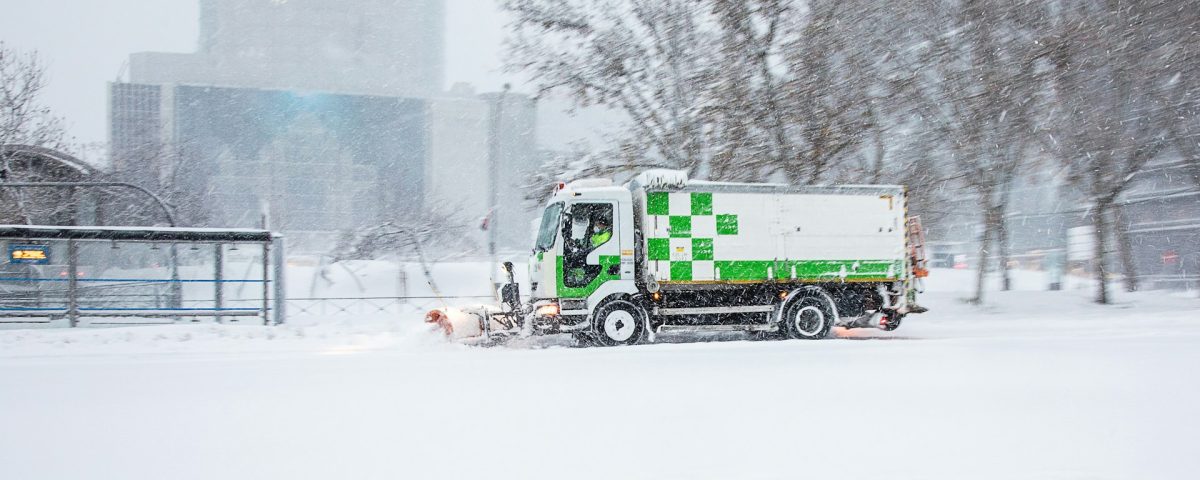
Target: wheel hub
{"x": 619, "y": 325}
{"x": 809, "y": 320}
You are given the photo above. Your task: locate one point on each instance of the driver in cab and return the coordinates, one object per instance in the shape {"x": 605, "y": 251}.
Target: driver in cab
{"x": 601, "y": 231}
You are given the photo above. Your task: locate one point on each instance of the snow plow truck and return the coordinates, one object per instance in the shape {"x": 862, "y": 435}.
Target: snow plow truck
{"x": 620, "y": 264}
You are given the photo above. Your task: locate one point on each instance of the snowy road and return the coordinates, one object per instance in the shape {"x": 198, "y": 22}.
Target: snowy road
{"x": 1045, "y": 387}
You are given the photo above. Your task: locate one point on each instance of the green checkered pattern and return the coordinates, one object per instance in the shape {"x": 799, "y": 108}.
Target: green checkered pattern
{"x": 685, "y": 225}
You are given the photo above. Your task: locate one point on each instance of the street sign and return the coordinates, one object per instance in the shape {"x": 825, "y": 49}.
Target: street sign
{"x": 29, "y": 254}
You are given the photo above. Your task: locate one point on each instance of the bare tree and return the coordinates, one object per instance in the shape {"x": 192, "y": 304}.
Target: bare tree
{"x": 983, "y": 88}
{"x": 794, "y": 89}
{"x": 1112, "y": 69}
{"x": 640, "y": 56}
{"x": 435, "y": 231}
{"x": 162, "y": 168}
{"x": 1183, "y": 84}
{"x": 827, "y": 91}
{"x": 731, "y": 90}
{"x": 25, "y": 121}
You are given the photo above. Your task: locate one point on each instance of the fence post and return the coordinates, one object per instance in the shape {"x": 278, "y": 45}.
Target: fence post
{"x": 280, "y": 287}
{"x": 73, "y": 283}
{"x": 219, "y": 277}
{"x": 176, "y": 285}
{"x": 266, "y": 282}
{"x": 402, "y": 281}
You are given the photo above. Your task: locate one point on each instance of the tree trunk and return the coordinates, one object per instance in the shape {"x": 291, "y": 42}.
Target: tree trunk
{"x": 1100, "y": 255}
{"x": 1002, "y": 245}
{"x": 1125, "y": 244}
{"x": 981, "y": 269}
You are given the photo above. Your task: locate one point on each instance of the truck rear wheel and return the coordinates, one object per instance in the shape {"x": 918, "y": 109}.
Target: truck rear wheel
{"x": 618, "y": 322}
{"x": 807, "y": 315}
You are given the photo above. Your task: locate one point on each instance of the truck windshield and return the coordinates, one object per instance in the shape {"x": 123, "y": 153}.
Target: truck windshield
{"x": 549, "y": 228}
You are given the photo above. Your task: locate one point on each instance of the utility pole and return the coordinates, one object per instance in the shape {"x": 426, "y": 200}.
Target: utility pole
{"x": 493, "y": 179}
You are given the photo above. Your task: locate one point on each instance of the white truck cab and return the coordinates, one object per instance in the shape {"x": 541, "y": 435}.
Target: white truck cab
{"x": 585, "y": 248}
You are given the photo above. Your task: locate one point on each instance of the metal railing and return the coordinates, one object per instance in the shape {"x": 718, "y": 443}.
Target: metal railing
{"x": 350, "y": 306}
{"x": 1173, "y": 282}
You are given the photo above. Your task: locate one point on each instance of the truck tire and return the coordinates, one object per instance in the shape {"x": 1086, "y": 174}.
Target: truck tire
{"x": 618, "y": 322}
{"x": 807, "y": 314}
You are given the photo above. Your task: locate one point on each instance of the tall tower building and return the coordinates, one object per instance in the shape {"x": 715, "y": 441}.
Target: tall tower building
{"x": 376, "y": 47}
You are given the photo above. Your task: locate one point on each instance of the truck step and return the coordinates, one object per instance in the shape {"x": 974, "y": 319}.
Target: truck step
{"x": 754, "y": 327}
{"x": 713, "y": 310}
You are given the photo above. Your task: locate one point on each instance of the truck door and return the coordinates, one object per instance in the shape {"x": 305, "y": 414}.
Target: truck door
{"x": 591, "y": 248}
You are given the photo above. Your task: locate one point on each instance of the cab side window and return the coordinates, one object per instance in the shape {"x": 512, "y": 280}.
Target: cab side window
{"x": 588, "y": 227}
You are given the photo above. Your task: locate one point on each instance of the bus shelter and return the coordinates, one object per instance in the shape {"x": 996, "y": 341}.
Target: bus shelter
{"x": 127, "y": 275}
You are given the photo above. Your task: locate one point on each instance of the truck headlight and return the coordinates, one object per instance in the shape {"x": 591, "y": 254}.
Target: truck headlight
{"x": 548, "y": 310}
{"x": 573, "y": 303}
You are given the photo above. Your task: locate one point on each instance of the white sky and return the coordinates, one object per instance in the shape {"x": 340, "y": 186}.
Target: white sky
{"x": 84, "y": 43}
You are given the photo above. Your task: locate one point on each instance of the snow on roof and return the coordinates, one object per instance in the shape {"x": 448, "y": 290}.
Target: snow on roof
{"x": 662, "y": 178}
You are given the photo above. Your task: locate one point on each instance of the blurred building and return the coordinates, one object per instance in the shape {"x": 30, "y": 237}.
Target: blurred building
{"x": 512, "y": 128}
{"x": 321, "y": 163}
{"x": 325, "y": 116}
{"x": 378, "y": 47}
{"x": 1162, "y": 211}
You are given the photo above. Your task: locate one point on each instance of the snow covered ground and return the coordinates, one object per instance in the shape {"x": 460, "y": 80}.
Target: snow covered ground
{"x": 1034, "y": 384}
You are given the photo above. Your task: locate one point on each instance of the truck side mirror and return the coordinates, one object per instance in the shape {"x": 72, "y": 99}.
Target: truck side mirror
{"x": 508, "y": 268}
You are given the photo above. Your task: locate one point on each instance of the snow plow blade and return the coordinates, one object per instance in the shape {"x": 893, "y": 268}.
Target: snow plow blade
{"x": 478, "y": 325}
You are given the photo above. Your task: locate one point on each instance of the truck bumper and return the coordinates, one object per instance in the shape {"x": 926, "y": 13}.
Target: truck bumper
{"x": 550, "y": 317}
{"x": 547, "y": 325}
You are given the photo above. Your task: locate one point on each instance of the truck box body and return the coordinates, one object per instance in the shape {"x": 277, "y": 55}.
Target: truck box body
{"x": 720, "y": 233}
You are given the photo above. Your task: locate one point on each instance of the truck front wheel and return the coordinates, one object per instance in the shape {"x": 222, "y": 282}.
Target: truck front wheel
{"x": 618, "y": 322}
{"x": 807, "y": 315}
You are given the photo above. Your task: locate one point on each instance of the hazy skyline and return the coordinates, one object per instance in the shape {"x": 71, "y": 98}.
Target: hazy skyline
{"x": 83, "y": 44}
